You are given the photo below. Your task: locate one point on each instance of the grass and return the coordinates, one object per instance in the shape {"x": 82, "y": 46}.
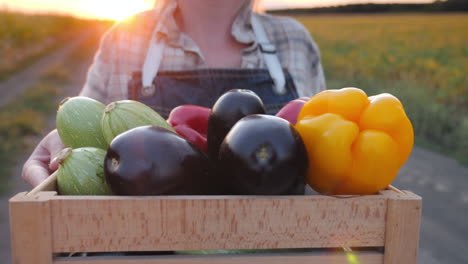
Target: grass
{"x": 420, "y": 58}
{"x": 24, "y": 118}
{"x": 24, "y": 37}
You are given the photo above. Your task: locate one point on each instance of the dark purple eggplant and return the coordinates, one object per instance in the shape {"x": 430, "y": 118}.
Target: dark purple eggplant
{"x": 228, "y": 109}
{"x": 151, "y": 160}
{"x": 263, "y": 155}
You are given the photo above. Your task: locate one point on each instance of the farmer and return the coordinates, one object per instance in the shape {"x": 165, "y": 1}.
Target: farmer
{"x": 191, "y": 52}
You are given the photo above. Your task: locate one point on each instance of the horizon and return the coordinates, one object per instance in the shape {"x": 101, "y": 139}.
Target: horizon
{"x": 99, "y": 9}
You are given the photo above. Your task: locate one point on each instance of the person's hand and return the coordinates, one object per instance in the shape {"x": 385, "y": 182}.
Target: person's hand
{"x": 42, "y": 161}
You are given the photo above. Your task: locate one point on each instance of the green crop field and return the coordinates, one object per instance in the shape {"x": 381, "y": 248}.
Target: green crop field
{"x": 25, "y": 37}
{"x": 420, "y": 58}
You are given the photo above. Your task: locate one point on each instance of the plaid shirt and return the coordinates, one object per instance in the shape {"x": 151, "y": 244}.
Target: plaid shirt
{"x": 123, "y": 50}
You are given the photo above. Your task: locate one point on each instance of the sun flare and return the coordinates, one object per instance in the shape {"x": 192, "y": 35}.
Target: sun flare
{"x": 117, "y": 9}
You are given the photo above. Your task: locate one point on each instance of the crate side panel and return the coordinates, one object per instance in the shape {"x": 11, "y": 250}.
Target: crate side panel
{"x": 30, "y": 229}
{"x": 402, "y": 228}
{"x": 145, "y": 224}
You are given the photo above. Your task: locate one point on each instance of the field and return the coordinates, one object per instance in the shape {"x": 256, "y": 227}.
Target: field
{"x": 25, "y": 37}
{"x": 422, "y": 59}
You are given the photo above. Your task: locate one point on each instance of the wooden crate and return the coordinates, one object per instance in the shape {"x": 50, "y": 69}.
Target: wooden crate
{"x": 371, "y": 229}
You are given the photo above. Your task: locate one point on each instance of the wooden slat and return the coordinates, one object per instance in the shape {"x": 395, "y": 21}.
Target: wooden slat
{"x": 30, "y": 228}
{"x": 402, "y": 229}
{"x": 115, "y": 223}
{"x": 303, "y": 258}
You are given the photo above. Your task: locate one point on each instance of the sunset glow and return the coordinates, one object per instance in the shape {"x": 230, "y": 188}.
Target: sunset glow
{"x": 119, "y": 9}
{"x": 116, "y": 9}
{"x": 103, "y": 9}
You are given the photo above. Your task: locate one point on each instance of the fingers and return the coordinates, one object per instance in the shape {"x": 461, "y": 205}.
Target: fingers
{"x": 54, "y": 145}
{"x": 37, "y": 168}
{"x": 53, "y": 165}
{"x": 34, "y": 173}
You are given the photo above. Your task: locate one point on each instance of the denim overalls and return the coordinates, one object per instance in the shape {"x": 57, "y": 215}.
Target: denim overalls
{"x": 164, "y": 91}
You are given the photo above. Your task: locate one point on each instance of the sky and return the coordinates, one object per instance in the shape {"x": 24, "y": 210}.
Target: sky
{"x": 119, "y": 9}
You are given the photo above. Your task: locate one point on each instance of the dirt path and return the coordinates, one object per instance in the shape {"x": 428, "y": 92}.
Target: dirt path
{"x": 22, "y": 81}
{"x": 443, "y": 184}
{"x": 15, "y": 85}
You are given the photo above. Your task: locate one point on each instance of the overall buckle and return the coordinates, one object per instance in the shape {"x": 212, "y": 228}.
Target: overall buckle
{"x": 267, "y": 48}
{"x": 148, "y": 90}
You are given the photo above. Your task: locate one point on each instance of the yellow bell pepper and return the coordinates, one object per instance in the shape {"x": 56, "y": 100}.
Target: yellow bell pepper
{"x": 356, "y": 144}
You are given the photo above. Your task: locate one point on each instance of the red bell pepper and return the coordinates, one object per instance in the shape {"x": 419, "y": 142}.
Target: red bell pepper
{"x": 191, "y": 122}
{"x": 291, "y": 110}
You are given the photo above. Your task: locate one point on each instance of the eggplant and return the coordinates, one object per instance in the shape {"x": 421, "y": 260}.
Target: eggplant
{"x": 263, "y": 155}
{"x": 227, "y": 110}
{"x": 152, "y": 160}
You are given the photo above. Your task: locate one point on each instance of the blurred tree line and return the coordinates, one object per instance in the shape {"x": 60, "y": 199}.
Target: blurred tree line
{"x": 437, "y": 6}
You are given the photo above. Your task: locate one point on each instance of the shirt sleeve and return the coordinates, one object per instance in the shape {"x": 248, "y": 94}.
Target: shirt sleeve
{"x": 99, "y": 73}
{"x": 317, "y": 76}
{"x": 299, "y": 53}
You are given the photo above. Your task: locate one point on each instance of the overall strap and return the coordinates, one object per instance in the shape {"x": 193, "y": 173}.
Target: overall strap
{"x": 153, "y": 59}
{"x": 269, "y": 55}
